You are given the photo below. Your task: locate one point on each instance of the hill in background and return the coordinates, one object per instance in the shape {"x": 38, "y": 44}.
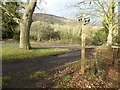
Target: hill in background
{"x": 52, "y": 19}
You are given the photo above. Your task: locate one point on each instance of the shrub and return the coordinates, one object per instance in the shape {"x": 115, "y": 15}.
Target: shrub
{"x": 100, "y": 37}
{"x": 102, "y": 60}
{"x": 44, "y": 31}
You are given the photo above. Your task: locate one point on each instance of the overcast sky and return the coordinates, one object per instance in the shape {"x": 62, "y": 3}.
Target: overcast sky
{"x": 58, "y": 7}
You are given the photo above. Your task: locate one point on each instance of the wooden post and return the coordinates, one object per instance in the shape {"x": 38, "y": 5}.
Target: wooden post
{"x": 83, "y": 44}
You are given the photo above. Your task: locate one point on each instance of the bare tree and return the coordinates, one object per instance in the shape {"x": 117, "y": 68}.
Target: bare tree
{"x": 25, "y": 22}
{"x": 103, "y": 9}
{"x": 107, "y": 13}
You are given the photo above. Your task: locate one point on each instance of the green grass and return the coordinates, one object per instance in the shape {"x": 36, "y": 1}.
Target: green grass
{"x": 38, "y": 74}
{"x": 66, "y": 77}
{"x": 10, "y": 41}
{"x": 5, "y": 79}
{"x": 14, "y": 53}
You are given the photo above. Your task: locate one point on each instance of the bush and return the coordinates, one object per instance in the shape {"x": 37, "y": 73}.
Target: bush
{"x": 44, "y": 32}
{"x": 100, "y": 37}
{"x": 48, "y": 33}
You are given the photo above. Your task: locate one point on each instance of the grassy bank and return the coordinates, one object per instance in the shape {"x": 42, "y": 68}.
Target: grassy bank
{"x": 9, "y": 53}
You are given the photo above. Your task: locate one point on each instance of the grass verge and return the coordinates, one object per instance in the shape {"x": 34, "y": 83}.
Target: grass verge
{"x": 14, "y": 53}
{"x": 9, "y": 41}
{"x": 5, "y": 79}
{"x": 37, "y": 75}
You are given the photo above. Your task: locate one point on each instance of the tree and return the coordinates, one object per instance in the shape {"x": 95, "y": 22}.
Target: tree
{"x": 24, "y": 22}
{"x": 9, "y": 26}
{"x": 109, "y": 18}
{"x": 103, "y": 9}
{"x": 106, "y": 11}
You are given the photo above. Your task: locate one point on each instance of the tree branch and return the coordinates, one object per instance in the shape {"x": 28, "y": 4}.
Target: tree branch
{"x": 17, "y": 20}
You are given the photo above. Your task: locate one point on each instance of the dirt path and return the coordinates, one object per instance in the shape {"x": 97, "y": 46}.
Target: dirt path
{"x": 20, "y": 70}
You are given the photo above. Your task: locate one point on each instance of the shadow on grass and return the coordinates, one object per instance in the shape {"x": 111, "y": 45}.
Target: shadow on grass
{"x": 35, "y": 48}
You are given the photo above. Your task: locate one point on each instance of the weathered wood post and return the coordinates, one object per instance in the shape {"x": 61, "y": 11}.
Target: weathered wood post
{"x": 85, "y": 20}
{"x": 83, "y": 45}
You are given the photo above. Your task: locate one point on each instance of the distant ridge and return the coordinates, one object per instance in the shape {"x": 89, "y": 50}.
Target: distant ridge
{"x": 50, "y": 19}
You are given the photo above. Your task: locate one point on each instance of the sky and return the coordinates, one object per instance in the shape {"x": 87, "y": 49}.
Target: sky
{"x": 58, "y": 8}
{"x": 63, "y": 8}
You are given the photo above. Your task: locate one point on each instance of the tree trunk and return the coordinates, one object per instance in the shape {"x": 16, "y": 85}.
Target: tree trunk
{"x": 83, "y": 45}
{"x": 109, "y": 38}
{"x": 25, "y": 25}
{"x": 111, "y": 22}
{"x": 38, "y": 36}
{"x": 24, "y": 34}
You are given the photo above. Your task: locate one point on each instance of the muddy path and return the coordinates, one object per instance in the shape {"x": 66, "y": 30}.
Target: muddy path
{"x": 19, "y": 71}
